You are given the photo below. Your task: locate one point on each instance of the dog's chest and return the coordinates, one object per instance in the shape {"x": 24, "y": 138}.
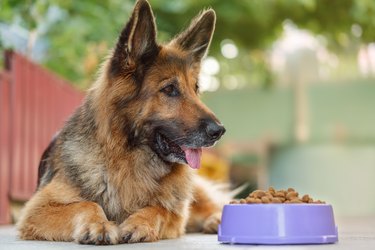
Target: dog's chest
{"x": 119, "y": 203}
{"x": 110, "y": 202}
{"x": 122, "y": 194}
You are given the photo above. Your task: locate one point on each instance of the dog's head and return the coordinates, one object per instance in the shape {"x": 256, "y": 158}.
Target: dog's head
{"x": 155, "y": 88}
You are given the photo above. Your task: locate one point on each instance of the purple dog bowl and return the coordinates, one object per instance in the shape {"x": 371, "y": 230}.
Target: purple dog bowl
{"x": 277, "y": 224}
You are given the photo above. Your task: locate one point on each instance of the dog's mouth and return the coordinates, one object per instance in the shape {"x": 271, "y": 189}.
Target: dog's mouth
{"x": 170, "y": 151}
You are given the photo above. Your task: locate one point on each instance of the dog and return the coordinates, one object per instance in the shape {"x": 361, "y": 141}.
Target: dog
{"x": 121, "y": 170}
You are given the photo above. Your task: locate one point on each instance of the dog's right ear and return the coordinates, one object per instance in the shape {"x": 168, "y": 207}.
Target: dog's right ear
{"x": 137, "y": 42}
{"x": 197, "y": 37}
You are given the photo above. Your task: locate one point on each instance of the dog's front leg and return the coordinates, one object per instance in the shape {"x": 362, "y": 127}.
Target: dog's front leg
{"x": 151, "y": 224}
{"x": 56, "y": 212}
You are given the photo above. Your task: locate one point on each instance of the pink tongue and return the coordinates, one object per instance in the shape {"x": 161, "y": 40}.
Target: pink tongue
{"x": 193, "y": 157}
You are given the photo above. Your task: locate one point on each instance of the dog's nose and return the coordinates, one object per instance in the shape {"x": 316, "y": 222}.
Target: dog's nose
{"x": 214, "y": 130}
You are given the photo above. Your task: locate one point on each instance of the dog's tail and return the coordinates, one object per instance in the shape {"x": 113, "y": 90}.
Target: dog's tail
{"x": 233, "y": 193}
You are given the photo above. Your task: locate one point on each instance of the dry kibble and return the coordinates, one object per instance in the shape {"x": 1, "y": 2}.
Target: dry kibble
{"x": 276, "y": 200}
{"x": 269, "y": 196}
{"x": 306, "y": 198}
{"x": 279, "y": 194}
{"x": 265, "y": 199}
{"x": 289, "y": 196}
{"x": 260, "y": 194}
{"x": 296, "y": 200}
{"x": 271, "y": 190}
{"x": 251, "y": 200}
{"x": 257, "y": 200}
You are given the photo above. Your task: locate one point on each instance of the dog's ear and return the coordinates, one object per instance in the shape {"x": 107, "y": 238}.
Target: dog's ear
{"x": 137, "y": 42}
{"x": 196, "y": 38}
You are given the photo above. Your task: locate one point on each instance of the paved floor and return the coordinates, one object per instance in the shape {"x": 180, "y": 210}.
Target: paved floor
{"x": 354, "y": 234}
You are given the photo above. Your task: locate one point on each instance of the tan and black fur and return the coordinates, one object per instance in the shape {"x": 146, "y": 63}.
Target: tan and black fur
{"x": 115, "y": 172}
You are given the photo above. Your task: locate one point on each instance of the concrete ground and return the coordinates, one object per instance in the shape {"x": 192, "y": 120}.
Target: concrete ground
{"x": 354, "y": 233}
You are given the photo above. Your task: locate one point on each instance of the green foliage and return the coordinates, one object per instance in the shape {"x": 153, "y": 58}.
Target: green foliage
{"x": 80, "y": 32}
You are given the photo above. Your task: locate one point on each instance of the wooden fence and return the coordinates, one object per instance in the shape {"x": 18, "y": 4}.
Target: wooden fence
{"x": 34, "y": 103}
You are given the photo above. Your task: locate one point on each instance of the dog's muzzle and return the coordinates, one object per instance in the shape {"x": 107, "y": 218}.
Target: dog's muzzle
{"x": 186, "y": 149}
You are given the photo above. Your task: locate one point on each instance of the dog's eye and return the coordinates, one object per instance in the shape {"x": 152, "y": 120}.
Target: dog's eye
{"x": 170, "y": 90}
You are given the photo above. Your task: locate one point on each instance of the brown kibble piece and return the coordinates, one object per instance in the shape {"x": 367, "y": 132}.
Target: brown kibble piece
{"x": 269, "y": 196}
{"x": 253, "y": 194}
{"x": 276, "y": 200}
{"x": 291, "y": 190}
{"x": 271, "y": 190}
{"x": 243, "y": 201}
{"x": 233, "y": 202}
{"x": 257, "y": 200}
{"x": 296, "y": 200}
{"x": 306, "y": 198}
{"x": 251, "y": 200}
{"x": 291, "y": 195}
{"x": 260, "y": 194}
{"x": 279, "y": 194}
{"x": 265, "y": 199}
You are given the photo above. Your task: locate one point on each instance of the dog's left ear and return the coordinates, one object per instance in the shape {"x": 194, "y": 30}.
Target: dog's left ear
{"x": 197, "y": 37}
{"x": 137, "y": 42}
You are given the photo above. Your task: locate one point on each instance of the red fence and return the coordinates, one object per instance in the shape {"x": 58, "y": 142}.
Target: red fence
{"x": 34, "y": 103}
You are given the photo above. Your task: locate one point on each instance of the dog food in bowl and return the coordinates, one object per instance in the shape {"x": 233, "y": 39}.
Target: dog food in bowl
{"x": 277, "y": 217}
{"x": 289, "y": 196}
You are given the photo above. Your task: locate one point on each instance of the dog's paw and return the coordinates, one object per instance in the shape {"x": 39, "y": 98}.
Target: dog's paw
{"x": 104, "y": 233}
{"x": 211, "y": 224}
{"x": 133, "y": 231}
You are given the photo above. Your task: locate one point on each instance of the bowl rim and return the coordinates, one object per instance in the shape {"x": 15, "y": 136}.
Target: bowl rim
{"x": 280, "y": 204}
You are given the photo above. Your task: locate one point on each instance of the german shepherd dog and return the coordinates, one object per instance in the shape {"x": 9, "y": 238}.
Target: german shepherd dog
{"x": 118, "y": 171}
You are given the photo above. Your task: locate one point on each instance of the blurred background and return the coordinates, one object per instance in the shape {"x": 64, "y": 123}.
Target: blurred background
{"x": 292, "y": 81}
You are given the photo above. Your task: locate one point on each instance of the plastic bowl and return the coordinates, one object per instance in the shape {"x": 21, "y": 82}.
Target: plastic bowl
{"x": 277, "y": 224}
